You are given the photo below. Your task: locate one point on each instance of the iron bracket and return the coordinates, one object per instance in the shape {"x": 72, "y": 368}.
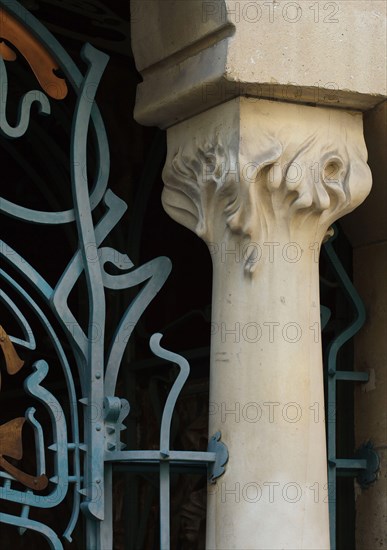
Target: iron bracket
{"x": 216, "y": 469}
{"x": 368, "y": 476}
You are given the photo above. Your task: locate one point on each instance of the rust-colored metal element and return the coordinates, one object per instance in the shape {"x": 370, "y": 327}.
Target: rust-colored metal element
{"x": 11, "y": 446}
{"x": 11, "y": 432}
{"x": 6, "y": 52}
{"x": 13, "y": 362}
{"x": 41, "y": 62}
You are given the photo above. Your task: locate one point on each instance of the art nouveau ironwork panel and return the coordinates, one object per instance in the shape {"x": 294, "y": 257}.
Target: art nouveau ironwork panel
{"x": 83, "y": 451}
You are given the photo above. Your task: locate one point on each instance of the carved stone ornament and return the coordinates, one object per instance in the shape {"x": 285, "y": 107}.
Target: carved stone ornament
{"x": 265, "y": 170}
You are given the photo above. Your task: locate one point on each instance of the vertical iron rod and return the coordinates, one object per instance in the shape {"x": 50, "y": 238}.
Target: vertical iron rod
{"x": 164, "y": 506}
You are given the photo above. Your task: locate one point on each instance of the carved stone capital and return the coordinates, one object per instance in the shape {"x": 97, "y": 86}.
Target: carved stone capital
{"x": 265, "y": 171}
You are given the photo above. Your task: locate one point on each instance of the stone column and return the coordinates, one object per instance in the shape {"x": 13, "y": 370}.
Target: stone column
{"x": 261, "y": 182}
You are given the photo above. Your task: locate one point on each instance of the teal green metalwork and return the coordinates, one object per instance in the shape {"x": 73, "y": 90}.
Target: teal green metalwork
{"x": 337, "y": 466}
{"x": 98, "y": 368}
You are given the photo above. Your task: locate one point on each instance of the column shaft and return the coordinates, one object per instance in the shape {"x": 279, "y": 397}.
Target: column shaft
{"x": 261, "y": 182}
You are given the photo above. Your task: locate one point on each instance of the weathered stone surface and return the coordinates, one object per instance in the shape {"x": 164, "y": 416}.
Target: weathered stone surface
{"x": 261, "y": 182}
{"x": 368, "y": 224}
{"x": 371, "y": 512}
{"x": 195, "y": 54}
{"x": 370, "y": 268}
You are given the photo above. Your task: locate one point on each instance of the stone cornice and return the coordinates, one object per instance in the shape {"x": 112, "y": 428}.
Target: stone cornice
{"x": 196, "y": 54}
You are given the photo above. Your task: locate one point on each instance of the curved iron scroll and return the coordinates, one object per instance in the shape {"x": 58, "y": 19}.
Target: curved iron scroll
{"x": 365, "y": 462}
{"x": 215, "y": 458}
{"x": 97, "y": 368}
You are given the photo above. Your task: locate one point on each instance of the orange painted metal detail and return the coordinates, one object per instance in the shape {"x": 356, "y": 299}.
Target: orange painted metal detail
{"x": 11, "y": 432}
{"x": 41, "y": 62}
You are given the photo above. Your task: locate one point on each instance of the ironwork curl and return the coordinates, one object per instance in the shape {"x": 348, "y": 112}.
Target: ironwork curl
{"x": 89, "y": 352}
{"x": 97, "y": 364}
